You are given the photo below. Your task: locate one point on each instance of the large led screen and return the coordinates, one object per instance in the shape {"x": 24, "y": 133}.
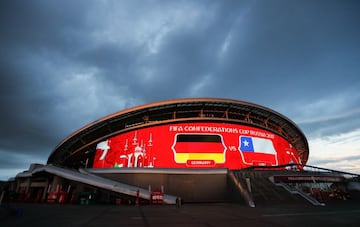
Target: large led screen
{"x": 195, "y": 145}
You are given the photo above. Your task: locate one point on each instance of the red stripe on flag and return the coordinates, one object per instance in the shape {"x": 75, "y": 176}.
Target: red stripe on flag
{"x": 251, "y": 157}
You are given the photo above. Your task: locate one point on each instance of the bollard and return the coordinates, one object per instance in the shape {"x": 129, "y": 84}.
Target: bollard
{"x": 178, "y": 202}
{"x": 19, "y": 212}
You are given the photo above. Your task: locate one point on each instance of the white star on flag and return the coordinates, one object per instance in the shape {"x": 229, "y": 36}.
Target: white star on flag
{"x": 246, "y": 143}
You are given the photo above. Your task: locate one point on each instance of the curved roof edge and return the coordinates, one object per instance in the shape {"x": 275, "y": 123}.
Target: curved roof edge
{"x": 219, "y": 109}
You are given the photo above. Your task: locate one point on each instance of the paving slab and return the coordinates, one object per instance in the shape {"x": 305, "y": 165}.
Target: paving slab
{"x": 209, "y": 215}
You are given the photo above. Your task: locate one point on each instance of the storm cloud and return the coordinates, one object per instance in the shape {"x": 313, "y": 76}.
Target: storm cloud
{"x": 65, "y": 64}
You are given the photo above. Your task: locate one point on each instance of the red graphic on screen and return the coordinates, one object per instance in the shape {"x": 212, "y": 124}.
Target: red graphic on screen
{"x": 136, "y": 153}
{"x": 195, "y": 145}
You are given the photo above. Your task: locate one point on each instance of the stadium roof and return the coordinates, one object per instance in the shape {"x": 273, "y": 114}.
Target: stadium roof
{"x": 80, "y": 145}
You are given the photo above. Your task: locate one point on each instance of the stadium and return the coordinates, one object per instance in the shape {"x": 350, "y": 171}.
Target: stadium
{"x": 191, "y": 150}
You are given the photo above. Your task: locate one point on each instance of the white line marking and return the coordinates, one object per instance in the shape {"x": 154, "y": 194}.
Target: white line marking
{"x": 305, "y": 214}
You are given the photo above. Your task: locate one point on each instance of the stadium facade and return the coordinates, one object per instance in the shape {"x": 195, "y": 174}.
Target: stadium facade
{"x": 186, "y": 133}
{"x": 199, "y": 149}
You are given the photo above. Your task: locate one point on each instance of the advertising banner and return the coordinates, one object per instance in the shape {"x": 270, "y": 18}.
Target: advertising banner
{"x": 195, "y": 145}
{"x": 311, "y": 179}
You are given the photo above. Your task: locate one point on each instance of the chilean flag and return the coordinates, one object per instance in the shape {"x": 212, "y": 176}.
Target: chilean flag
{"x": 257, "y": 151}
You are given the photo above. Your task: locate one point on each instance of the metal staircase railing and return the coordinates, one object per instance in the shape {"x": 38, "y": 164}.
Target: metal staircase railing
{"x": 245, "y": 194}
{"x": 308, "y": 198}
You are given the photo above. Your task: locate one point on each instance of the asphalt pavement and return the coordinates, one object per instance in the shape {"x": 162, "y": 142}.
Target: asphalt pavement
{"x": 209, "y": 215}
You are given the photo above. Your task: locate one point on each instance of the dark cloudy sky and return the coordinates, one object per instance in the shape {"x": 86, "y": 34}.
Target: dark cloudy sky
{"x": 64, "y": 64}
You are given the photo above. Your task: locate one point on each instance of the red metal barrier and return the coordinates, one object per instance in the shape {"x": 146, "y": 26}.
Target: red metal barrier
{"x": 57, "y": 197}
{"x": 157, "y": 197}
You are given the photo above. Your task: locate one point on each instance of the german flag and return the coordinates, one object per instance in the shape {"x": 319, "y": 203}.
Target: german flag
{"x": 199, "y": 147}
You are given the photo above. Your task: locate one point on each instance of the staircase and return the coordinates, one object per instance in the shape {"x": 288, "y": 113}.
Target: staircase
{"x": 262, "y": 190}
